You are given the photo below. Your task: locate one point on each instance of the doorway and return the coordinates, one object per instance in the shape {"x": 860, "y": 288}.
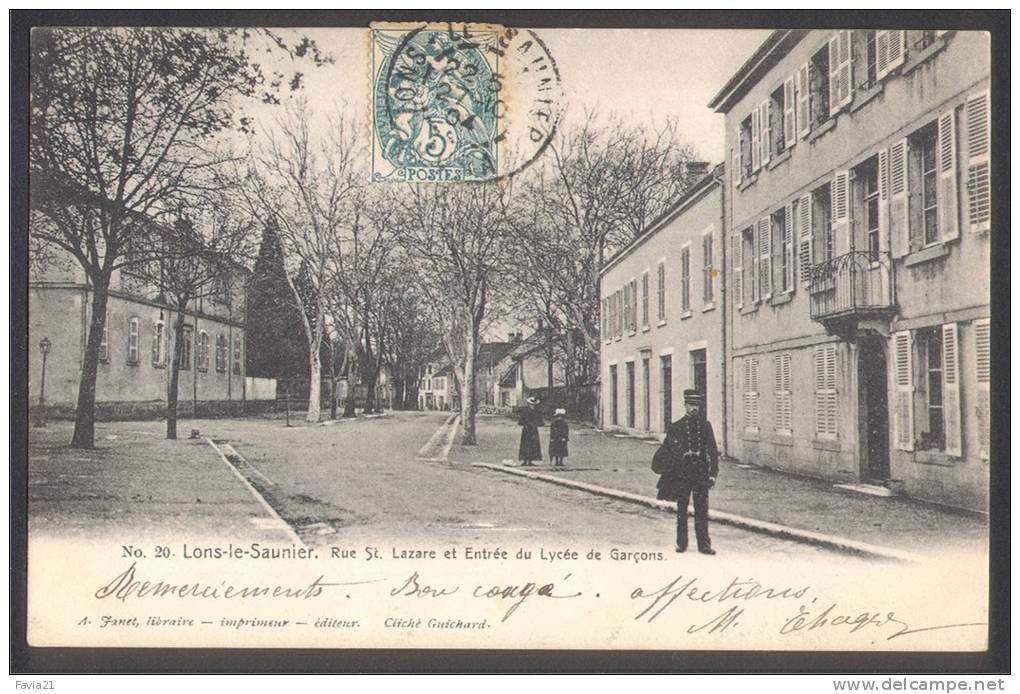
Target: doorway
{"x": 646, "y": 389}
{"x": 874, "y": 410}
{"x": 699, "y": 376}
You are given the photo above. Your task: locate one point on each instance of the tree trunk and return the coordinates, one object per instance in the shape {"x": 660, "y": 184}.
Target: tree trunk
{"x": 314, "y": 384}
{"x": 174, "y": 364}
{"x": 84, "y": 435}
{"x": 372, "y": 377}
{"x": 467, "y": 399}
{"x": 349, "y": 409}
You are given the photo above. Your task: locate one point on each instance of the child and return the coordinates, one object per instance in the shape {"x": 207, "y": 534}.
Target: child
{"x": 559, "y": 434}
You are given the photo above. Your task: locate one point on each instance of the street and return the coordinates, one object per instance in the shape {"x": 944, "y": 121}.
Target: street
{"x": 363, "y": 480}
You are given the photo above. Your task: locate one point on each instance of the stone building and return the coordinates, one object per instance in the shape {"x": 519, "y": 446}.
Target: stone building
{"x": 132, "y": 373}
{"x": 858, "y": 227}
{"x": 662, "y": 317}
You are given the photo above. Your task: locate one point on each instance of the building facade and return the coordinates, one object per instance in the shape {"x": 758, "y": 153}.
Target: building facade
{"x": 132, "y": 374}
{"x": 662, "y": 318}
{"x": 858, "y": 288}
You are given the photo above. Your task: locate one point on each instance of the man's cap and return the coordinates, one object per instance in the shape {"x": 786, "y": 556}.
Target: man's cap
{"x": 691, "y": 395}
{"x": 532, "y": 400}
{"x": 560, "y": 410}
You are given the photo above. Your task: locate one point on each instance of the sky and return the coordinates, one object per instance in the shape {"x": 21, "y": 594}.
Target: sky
{"x": 642, "y": 74}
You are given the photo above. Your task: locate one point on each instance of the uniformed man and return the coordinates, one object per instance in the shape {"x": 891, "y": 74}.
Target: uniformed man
{"x": 690, "y": 463}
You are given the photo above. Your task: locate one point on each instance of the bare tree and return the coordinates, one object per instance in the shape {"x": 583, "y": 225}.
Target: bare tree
{"x": 306, "y": 183}
{"x": 604, "y": 184}
{"x": 457, "y": 240}
{"x": 122, "y": 125}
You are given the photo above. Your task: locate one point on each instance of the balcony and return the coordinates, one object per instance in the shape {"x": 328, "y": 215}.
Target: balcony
{"x": 852, "y": 291}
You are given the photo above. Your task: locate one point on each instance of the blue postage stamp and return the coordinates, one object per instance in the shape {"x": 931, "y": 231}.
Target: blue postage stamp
{"x": 436, "y": 104}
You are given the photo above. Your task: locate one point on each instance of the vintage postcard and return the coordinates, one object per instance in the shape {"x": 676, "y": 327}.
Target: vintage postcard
{"x": 437, "y": 335}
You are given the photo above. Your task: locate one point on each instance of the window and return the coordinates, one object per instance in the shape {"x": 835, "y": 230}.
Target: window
{"x": 826, "y": 403}
{"x": 612, "y": 395}
{"x": 782, "y": 237}
{"x": 784, "y": 395}
{"x": 626, "y": 307}
{"x": 158, "y": 343}
{"x": 630, "y": 394}
{"x": 237, "y": 355}
{"x": 866, "y": 39}
{"x": 685, "y": 279}
{"x": 821, "y": 215}
{"x": 982, "y": 364}
{"x": 744, "y": 248}
{"x": 203, "y": 351}
{"x": 221, "y": 353}
{"x": 818, "y": 87}
{"x": 745, "y": 147}
{"x": 104, "y": 344}
{"x": 866, "y": 192}
{"x": 132, "y": 351}
{"x": 751, "y": 412}
{"x": 978, "y": 172}
{"x": 644, "y": 299}
{"x": 922, "y": 145}
{"x": 186, "y": 347}
{"x": 777, "y": 118}
{"x": 662, "y": 291}
{"x": 707, "y": 290}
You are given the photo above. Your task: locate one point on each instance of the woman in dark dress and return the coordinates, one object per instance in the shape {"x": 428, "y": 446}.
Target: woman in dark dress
{"x": 530, "y": 420}
{"x": 559, "y": 434}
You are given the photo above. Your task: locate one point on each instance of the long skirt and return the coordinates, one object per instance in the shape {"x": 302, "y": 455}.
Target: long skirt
{"x": 531, "y": 446}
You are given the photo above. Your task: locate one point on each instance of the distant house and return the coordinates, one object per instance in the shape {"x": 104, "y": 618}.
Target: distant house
{"x": 525, "y": 366}
{"x": 439, "y": 388}
{"x": 132, "y": 373}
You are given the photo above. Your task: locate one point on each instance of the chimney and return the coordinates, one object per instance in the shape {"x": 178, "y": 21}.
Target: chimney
{"x": 697, "y": 169}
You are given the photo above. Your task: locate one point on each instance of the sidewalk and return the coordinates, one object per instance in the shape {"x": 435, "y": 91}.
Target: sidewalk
{"x": 137, "y": 485}
{"x": 623, "y": 463}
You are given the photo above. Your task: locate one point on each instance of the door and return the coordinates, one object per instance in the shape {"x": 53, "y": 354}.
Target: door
{"x": 631, "y": 382}
{"x": 699, "y": 376}
{"x": 874, "y": 422}
{"x": 646, "y": 388}
{"x": 666, "y": 367}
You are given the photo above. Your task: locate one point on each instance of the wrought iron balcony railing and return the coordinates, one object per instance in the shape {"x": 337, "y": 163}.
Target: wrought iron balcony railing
{"x": 854, "y": 285}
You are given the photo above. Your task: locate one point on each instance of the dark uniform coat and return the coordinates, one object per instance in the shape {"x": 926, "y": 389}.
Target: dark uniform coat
{"x": 689, "y": 455}
{"x": 559, "y": 434}
{"x": 531, "y": 447}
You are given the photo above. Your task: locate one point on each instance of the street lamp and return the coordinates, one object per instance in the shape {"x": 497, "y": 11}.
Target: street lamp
{"x": 40, "y": 418}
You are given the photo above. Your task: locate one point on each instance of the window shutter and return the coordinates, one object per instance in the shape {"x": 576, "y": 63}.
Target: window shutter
{"x": 155, "y": 342}
{"x": 803, "y": 101}
{"x": 633, "y": 305}
{"x": 821, "y": 396}
{"x": 789, "y": 257}
{"x": 949, "y": 226}
{"x": 751, "y": 411}
{"x": 841, "y": 212}
{"x": 766, "y": 131}
{"x": 806, "y": 251}
{"x": 881, "y": 54}
{"x": 978, "y": 165}
{"x": 738, "y": 160}
{"x": 834, "y": 50}
{"x": 784, "y": 404}
{"x": 738, "y": 268}
{"x": 644, "y": 299}
{"x": 662, "y": 292}
{"x": 832, "y": 404}
{"x": 844, "y": 71}
{"x": 789, "y": 112}
{"x": 755, "y": 139}
{"x": 951, "y": 388}
{"x": 899, "y": 218}
{"x": 765, "y": 249}
{"x": 883, "y": 201}
{"x": 897, "y": 48}
{"x": 133, "y": 340}
{"x": 104, "y": 342}
{"x": 983, "y": 365}
{"x": 903, "y": 376}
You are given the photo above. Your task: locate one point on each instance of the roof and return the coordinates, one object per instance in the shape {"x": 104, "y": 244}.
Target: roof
{"x": 673, "y": 210}
{"x": 446, "y": 370}
{"x": 493, "y": 351}
{"x": 777, "y": 45}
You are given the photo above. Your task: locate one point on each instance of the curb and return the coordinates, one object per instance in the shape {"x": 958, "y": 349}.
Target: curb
{"x": 447, "y": 429}
{"x": 832, "y": 542}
